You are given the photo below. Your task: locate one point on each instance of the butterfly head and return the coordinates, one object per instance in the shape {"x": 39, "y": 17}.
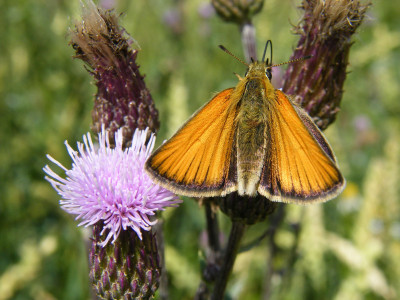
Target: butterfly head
{"x": 259, "y": 69}
{"x": 262, "y": 68}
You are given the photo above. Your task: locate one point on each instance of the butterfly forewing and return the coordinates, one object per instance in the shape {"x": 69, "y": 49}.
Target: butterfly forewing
{"x": 196, "y": 160}
{"x": 300, "y": 166}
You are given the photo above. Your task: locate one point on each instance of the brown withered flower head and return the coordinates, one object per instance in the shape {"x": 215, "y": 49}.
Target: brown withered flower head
{"x": 122, "y": 99}
{"x": 325, "y": 34}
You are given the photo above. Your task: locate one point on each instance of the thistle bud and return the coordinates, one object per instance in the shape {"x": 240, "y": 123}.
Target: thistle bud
{"x": 325, "y": 35}
{"x": 237, "y": 11}
{"x": 246, "y": 210}
{"x": 122, "y": 99}
{"x": 126, "y": 269}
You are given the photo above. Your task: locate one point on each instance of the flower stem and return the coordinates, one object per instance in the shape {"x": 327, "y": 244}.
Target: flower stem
{"x": 212, "y": 228}
{"x": 231, "y": 251}
{"x": 163, "y": 290}
{"x": 212, "y": 263}
{"x": 273, "y": 251}
{"x": 248, "y": 34}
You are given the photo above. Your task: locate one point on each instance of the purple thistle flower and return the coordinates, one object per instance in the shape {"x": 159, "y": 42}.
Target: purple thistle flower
{"x": 109, "y": 184}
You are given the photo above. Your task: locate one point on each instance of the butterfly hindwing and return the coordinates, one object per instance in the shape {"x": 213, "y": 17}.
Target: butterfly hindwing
{"x": 300, "y": 166}
{"x": 196, "y": 160}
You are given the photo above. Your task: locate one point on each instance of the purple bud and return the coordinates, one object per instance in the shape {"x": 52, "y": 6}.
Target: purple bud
{"x": 122, "y": 99}
{"x": 325, "y": 34}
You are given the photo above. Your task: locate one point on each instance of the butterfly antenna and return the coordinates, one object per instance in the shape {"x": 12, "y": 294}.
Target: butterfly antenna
{"x": 269, "y": 42}
{"x": 292, "y": 61}
{"x": 233, "y": 55}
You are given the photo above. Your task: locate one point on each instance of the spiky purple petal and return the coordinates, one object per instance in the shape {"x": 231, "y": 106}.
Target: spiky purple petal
{"x": 109, "y": 184}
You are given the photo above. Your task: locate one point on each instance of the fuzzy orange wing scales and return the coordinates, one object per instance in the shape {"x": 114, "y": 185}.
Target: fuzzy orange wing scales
{"x": 199, "y": 153}
{"x": 300, "y": 169}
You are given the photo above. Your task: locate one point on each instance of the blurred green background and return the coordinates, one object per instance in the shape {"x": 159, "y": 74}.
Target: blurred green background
{"x": 348, "y": 248}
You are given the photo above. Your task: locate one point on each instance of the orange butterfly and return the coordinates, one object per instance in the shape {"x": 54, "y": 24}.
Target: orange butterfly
{"x": 249, "y": 139}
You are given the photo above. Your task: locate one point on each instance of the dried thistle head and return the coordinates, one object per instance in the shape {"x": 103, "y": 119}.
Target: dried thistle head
{"x": 325, "y": 34}
{"x": 237, "y": 11}
{"x": 122, "y": 99}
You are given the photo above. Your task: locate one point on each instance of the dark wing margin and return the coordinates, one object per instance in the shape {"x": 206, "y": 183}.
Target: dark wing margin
{"x": 195, "y": 161}
{"x": 300, "y": 166}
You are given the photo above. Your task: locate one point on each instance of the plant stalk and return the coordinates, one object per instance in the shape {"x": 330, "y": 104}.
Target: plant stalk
{"x": 231, "y": 251}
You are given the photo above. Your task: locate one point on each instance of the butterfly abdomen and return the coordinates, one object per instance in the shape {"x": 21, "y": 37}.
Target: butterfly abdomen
{"x": 250, "y": 137}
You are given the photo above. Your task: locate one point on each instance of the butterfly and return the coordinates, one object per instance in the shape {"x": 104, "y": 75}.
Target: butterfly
{"x": 251, "y": 139}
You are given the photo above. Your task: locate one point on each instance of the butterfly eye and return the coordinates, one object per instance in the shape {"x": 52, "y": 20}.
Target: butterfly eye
{"x": 268, "y": 73}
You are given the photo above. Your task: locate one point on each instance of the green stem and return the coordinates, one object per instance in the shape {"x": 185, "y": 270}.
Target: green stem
{"x": 228, "y": 260}
{"x": 212, "y": 228}
{"x": 214, "y": 246}
{"x": 163, "y": 290}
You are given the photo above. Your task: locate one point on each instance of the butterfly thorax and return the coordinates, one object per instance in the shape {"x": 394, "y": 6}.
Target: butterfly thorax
{"x": 252, "y": 120}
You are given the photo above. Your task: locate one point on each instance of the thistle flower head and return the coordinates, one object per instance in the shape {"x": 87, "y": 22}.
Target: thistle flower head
{"x": 109, "y": 184}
